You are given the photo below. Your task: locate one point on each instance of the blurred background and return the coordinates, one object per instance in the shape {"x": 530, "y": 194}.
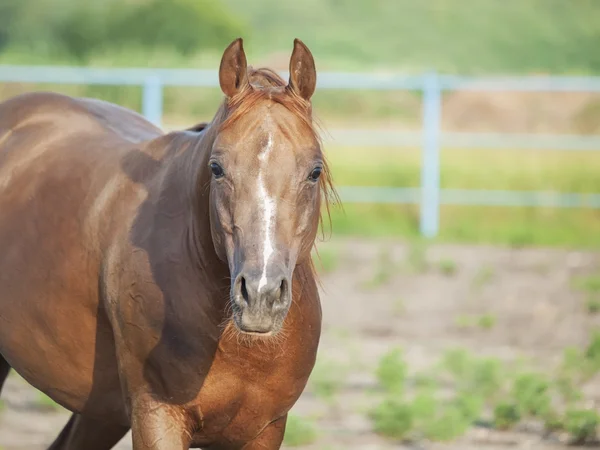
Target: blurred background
{"x": 460, "y": 280}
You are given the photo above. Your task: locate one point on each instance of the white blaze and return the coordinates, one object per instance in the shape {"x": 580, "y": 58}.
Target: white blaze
{"x": 268, "y": 211}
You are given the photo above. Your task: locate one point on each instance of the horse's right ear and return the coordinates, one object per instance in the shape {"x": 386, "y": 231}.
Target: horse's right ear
{"x": 233, "y": 76}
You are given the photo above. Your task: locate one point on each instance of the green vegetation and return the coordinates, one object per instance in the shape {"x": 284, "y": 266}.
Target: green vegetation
{"x": 299, "y": 431}
{"x": 447, "y": 267}
{"x": 414, "y": 406}
{"x": 593, "y": 305}
{"x": 486, "y": 321}
{"x": 517, "y": 226}
{"x": 544, "y": 36}
{"x": 558, "y": 36}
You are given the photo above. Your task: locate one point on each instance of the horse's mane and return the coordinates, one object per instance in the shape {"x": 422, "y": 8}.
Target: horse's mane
{"x": 268, "y": 84}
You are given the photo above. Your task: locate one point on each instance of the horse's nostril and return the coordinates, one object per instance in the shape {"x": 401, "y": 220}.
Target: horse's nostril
{"x": 244, "y": 290}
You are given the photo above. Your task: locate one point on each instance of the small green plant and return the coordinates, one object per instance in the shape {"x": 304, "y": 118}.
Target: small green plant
{"x": 592, "y": 354}
{"x": 424, "y": 406}
{"x": 486, "y": 321}
{"x": 582, "y": 425}
{"x": 464, "y": 322}
{"x": 393, "y": 418}
{"x": 447, "y": 267}
{"x": 448, "y": 425}
{"x": 531, "y": 392}
{"x": 506, "y": 415}
{"x": 486, "y": 377}
{"x": 392, "y": 371}
{"x": 553, "y": 422}
{"x": 593, "y": 305}
{"x": 469, "y": 404}
{"x": 457, "y": 362}
{"x": 299, "y": 431}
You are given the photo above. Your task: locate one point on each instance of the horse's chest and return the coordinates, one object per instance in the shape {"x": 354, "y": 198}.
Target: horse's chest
{"x": 237, "y": 405}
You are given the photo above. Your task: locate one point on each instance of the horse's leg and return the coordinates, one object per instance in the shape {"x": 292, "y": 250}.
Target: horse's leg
{"x": 159, "y": 426}
{"x": 270, "y": 438}
{"x": 83, "y": 433}
{"x": 4, "y": 369}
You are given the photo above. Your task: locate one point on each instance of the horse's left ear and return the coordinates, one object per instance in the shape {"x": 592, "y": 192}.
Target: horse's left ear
{"x": 303, "y": 75}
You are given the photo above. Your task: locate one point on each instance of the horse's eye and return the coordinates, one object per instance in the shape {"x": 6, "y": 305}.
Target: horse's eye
{"x": 216, "y": 170}
{"x": 315, "y": 174}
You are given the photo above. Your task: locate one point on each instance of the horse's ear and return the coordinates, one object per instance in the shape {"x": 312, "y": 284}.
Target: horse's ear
{"x": 233, "y": 76}
{"x": 303, "y": 75}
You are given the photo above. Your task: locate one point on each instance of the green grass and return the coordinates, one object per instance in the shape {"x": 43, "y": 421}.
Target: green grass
{"x": 486, "y": 321}
{"x": 495, "y": 169}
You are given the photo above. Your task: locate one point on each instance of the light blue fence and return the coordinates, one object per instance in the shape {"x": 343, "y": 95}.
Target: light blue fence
{"x": 431, "y": 138}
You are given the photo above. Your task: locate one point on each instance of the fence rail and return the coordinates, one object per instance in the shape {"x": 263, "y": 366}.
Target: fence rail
{"x": 429, "y": 196}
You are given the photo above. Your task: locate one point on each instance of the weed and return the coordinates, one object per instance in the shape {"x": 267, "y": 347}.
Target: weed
{"x": 593, "y": 305}
{"x": 447, "y": 267}
{"x": 392, "y": 371}
{"x": 464, "y": 322}
{"x": 457, "y": 362}
{"x": 448, "y": 425}
{"x": 393, "y": 418}
{"x": 299, "y": 431}
{"x": 582, "y": 425}
{"x": 486, "y": 321}
{"x": 506, "y": 415}
{"x": 531, "y": 392}
{"x": 469, "y": 404}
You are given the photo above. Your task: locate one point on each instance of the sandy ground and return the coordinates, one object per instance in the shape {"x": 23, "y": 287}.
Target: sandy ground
{"x": 529, "y": 292}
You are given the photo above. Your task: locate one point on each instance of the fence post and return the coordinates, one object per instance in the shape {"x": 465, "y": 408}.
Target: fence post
{"x": 430, "y": 169}
{"x": 152, "y": 99}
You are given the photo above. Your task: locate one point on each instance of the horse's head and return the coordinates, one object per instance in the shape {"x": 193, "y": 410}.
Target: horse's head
{"x": 268, "y": 174}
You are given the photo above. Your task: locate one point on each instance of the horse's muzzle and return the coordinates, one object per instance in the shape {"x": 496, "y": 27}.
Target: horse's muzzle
{"x": 260, "y": 302}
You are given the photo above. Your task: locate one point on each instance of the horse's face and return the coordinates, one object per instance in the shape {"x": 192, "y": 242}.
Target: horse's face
{"x": 265, "y": 194}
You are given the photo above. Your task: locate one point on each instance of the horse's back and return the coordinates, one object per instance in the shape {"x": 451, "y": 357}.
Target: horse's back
{"x": 60, "y": 172}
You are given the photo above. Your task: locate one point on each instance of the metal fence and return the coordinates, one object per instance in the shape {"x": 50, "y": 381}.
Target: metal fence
{"x": 430, "y": 196}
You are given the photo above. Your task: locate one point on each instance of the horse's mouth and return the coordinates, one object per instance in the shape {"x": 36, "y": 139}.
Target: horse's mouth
{"x": 264, "y": 331}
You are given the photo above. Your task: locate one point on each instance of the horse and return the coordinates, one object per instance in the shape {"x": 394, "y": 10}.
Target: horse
{"x": 163, "y": 282}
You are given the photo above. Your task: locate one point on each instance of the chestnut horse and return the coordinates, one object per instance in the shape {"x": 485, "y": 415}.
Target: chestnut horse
{"x": 163, "y": 283}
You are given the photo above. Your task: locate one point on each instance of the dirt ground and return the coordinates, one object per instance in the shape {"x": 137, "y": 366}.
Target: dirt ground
{"x": 529, "y": 292}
